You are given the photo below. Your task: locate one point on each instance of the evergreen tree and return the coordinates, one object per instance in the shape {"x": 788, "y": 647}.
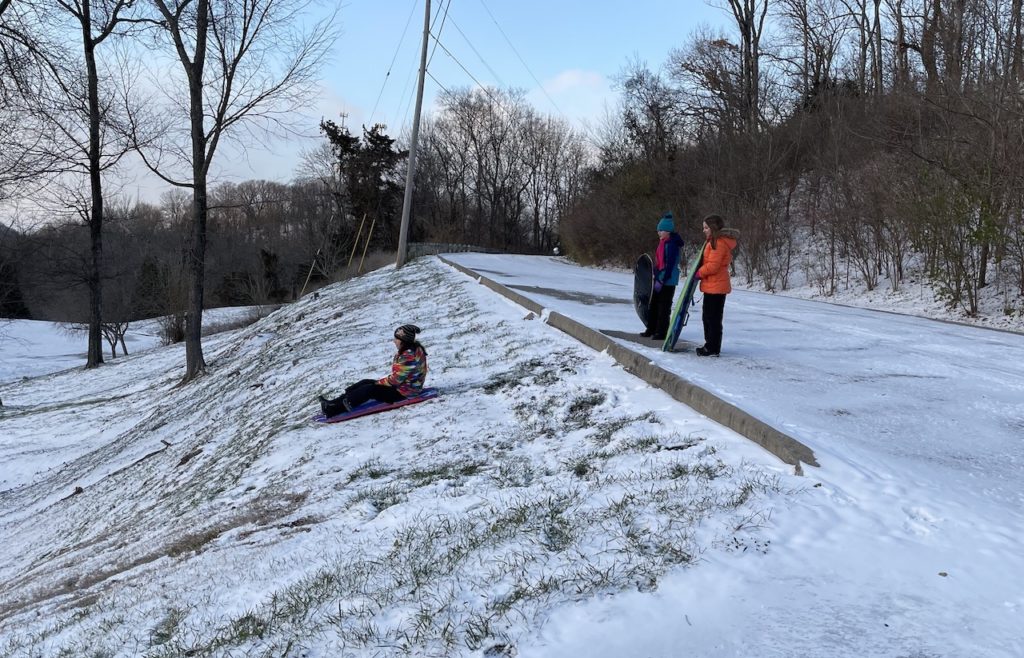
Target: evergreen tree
{"x": 370, "y": 171}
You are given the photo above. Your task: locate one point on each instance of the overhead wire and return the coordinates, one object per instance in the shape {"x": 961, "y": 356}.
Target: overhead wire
{"x": 439, "y": 30}
{"x": 483, "y": 88}
{"x": 472, "y": 77}
{"x": 521, "y": 60}
{"x": 435, "y": 34}
{"x": 481, "y": 57}
{"x": 392, "y": 64}
{"x": 438, "y": 83}
{"x": 407, "y": 102}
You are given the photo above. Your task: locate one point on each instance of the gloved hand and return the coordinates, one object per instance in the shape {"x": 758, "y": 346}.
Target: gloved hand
{"x": 657, "y": 286}
{"x": 696, "y": 275}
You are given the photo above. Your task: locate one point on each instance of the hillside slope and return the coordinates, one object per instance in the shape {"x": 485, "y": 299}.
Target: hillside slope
{"x": 141, "y": 517}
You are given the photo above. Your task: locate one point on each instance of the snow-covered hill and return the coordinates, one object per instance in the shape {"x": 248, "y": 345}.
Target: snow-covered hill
{"x": 141, "y": 517}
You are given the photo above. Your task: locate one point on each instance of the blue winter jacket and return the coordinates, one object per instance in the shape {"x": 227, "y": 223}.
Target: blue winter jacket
{"x": 669, "y": 276}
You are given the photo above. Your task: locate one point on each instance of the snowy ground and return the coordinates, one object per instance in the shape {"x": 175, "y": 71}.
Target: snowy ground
{"x": 919, "y": 427}
{"x": 32, "y": 348}
{"x": 1000, "y": 305}
{"x": 548, "y": 504}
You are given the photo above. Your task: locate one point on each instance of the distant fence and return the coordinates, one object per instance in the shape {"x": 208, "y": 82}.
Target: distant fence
{"x": 417, "y": 249}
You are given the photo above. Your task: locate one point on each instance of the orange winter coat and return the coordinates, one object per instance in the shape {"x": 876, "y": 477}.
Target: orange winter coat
{"x": 714, "y": 270}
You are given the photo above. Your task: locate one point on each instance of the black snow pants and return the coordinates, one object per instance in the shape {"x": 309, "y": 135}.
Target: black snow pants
{"x": 661, "y": 311}
{"x": 714, "y": 309}
{"x": 360, "y": 392}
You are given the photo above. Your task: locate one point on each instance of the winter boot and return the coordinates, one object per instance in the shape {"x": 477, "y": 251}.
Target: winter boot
{"x": 335, "y": 407}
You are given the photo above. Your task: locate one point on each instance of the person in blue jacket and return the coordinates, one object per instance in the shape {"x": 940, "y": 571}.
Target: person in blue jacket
{"x": 666, "y": 278}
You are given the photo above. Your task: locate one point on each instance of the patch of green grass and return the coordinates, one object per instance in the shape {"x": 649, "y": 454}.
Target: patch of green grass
{"x": 679, "y": 470}
{"x": 165, "y": 629}
{"x": 373, "y": 469}
{"x": 709, "y": 471}
{"x": 424, "y": 476}
{"x": 515, "y": 471}
{"x": 582, "y": 407}
{"x": 579, "y": 465}
{"x": 382, "y": 497}
{"x": 645, "y": 443}
{"x": 604, "y": 432}
{"x": 512, "y": 378}
{"x": 559, "y": 534}
{"x": 248, "y": 626}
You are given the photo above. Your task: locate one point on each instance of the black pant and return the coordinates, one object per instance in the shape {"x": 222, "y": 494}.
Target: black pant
{"x": 714, "y": 309}
{"x": 661, "y": 310}
{"x": 360, "y": 392}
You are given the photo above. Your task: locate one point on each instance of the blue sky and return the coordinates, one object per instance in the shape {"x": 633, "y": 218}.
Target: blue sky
{"x": 573, "y": 48}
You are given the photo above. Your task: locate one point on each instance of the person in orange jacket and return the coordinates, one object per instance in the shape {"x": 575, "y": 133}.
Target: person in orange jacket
{"x": 713, "y": 275}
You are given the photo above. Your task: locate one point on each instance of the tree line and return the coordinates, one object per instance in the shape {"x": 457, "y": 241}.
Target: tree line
{"x": 74, "y": 118}
{"x": 847, "y": 139}
{"x": 844, "y": 137}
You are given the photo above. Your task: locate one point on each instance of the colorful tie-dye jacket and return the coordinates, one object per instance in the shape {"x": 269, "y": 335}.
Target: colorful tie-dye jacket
{"x": 408, "y": 372}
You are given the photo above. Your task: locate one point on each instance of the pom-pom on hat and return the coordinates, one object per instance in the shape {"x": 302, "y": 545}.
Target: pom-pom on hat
{"x": 666, "y": 223}
{"x": 407, "y": 333}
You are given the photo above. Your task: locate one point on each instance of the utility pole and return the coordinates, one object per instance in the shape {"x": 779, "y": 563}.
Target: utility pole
{"x": 403, "y": 236}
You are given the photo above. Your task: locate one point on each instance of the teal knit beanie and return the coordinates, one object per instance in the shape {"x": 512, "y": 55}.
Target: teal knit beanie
{"x": 666, "y": 223}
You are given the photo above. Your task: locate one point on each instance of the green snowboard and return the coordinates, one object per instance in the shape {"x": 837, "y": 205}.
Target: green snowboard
{"x": 681, "y": 312}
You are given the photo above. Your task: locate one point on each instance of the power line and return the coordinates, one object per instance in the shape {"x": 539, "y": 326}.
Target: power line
{"x": 521, "y": 60}
{"x": 439, "y": 30}
{"x": 456, "y": 60}
{"x": 481, "y": 57}
{"x": 405, "y": 102}
{"x": 438, "y": 83}
{"x": 392, "y": 64}
{"x": 482, "y": 87}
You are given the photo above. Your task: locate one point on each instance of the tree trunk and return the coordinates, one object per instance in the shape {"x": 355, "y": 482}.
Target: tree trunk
{"x": 745, "y": 12}
{"x": 902, "y": 72}
{"x": 878, "y": 59}
{"x": 1016, "y": 41}
{"x": 928, "y": 29}
{"x": 195, "y": 365}
{"x": 95, "y": 353}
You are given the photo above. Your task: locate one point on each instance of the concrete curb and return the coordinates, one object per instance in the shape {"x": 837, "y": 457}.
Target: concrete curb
{"x": 783, "y": 446}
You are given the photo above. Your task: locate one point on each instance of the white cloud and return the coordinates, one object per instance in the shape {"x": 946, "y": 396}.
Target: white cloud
{"x": 579, "y": 96}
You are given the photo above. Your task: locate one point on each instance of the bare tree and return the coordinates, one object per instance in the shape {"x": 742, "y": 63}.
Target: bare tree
{"x": 816, "y": 29}
{"x": 750, "y": 19}
{"x": 866, "y": 16}
{"x": 97, "y": 20}
{"x": 66, "y": 113}
{"x": 244, "y": 62}
{"x": 24, "y": 156}
{"x": 706, "y": 75}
